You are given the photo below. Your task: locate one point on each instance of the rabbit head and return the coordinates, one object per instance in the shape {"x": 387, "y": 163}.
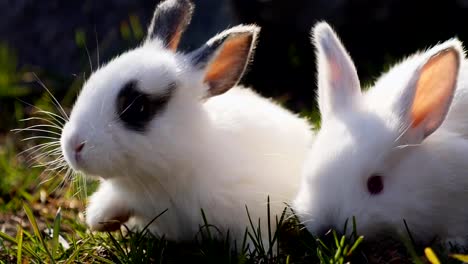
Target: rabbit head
{"x": 144, "y": 107}
{"x": 362, "y": 163}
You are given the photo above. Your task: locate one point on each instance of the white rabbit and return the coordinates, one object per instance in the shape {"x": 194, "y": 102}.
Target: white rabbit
{"x": 398, "y": 151}
{"x": 168, "y": 130}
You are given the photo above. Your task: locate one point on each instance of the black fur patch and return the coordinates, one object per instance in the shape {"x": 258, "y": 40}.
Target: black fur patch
{"x": 202, "y": 56}
{"x": 170, "y": 17}
{"x": 136, "y": 109}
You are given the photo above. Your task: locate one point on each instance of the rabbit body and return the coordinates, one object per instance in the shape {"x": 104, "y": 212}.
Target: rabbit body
{"x": 167, "y": 130}
{"x": 396, "y": 152}
{"x": 239, "y": 150}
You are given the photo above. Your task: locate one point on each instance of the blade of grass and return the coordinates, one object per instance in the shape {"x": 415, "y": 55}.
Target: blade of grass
{"x": 205, "y": 221}
{"x": 345, "y": 226}
{"x": 278, "y": 223}
{"x": 103, "y": 260}
{"x": 244, "y": 241}
{"x": 270, "y": 242}
{"x": 275, "y": 238}
{"x": 410, "y": 246}
{"x": 342, "y": 241}
{"x": 256, "y": 237}
{"x": 56, "y": 230}
{"x": 260, "y": 240}
{"x": 19, "y": 239}
{"x": 354, "y": 234}
{"x": 154, "y": 219}
{"x": 337, "y": 254}
{"x": 321, "y": 256}
{"x": 37, "y": 232}
{"x": 335, "y": 238}
{"x": 75, "y": 253}
{"x": 355, "y": 245}
{"x": 409, "y": 232}
{"x": 345, "y": 250}
{"x": 323, "y": 245}
{"x": 254, "y": 241}
{"x": 12, "y": 240}
{"x": 117, "y": 246}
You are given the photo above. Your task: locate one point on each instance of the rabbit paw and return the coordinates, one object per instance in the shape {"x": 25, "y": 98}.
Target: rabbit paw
{"x": 106, "y": 212}
{"x": 106, "y": 219}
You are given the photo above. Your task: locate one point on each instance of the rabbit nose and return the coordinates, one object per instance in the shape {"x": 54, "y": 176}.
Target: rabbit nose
{"x": 79, "y": 147}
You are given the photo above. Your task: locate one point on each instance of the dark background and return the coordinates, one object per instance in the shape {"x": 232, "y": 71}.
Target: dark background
{"x": 50, "y": 37}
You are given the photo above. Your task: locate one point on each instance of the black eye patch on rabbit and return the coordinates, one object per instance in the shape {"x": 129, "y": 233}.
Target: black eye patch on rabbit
{"x": 136, "y": 109}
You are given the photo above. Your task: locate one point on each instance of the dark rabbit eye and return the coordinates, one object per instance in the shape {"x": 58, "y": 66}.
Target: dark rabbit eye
{"x": 136, "y": 109}
{"x": 375, "y": 184}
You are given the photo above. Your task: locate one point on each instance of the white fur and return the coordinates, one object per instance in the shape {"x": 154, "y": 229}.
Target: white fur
{"x": 425, "y": 180}
{"x": 219, "y": 154}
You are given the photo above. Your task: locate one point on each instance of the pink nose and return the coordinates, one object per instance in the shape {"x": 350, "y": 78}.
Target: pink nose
{"x": 79, "y": 147}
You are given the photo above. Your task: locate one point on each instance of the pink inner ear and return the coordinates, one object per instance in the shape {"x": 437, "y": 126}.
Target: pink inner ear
{"x": 175, "y": 38}
{"x": 225, "y": 70}
{"x": 339, "y": 87}
{"x": 174, "y": 41}
{"x": 228, "y": 57}
{"x": 335, "y": 73}
{"x": 434, "y": 90}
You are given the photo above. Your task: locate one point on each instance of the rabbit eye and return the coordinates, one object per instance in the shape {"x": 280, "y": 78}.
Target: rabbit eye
{"x": 375, "y": 184}
{"x": 136, "y": 109}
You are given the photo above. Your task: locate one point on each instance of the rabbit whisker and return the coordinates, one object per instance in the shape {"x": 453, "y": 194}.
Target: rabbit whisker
{"x": 89, "y": 57}
{"x": 55, "y": 101}
{"x": 40, "y": 137}
{"x": 36, "y": 130}
{"x": 40, "y": 146}
{"x": 56, "y": 125}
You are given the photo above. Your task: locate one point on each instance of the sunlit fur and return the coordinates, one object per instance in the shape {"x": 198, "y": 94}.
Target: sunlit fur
{"x": 219, "y": 154}
{"x": 425, "y": 180}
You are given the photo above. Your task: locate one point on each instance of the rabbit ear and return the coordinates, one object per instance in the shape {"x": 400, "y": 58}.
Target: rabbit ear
{"x": 170, "y": 19}
{"x": 428, "y": 95}
{"x": 225, "y": 57}
{"x": 338, "y": 82}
